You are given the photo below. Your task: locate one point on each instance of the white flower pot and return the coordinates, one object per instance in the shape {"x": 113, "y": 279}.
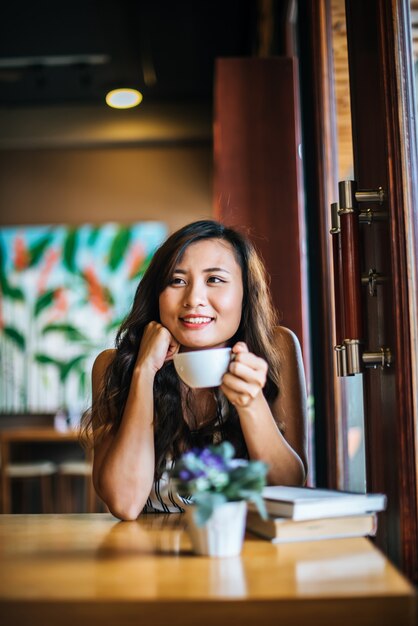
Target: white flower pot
{"x": 222, "y": 534}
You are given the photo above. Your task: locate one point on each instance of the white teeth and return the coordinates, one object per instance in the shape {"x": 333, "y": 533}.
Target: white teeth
{"x": 197, "y": 320}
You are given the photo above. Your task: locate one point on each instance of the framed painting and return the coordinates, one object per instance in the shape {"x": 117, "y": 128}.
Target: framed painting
{"x": 64, "y": 292}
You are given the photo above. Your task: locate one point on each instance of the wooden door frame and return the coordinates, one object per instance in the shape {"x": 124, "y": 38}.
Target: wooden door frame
{"x": 321, "y": 178}
{"x": 384, "y": 140}
{"x": 391, "y": 431}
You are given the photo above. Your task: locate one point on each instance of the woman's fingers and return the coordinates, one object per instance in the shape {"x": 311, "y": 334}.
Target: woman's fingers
{"x": 238, "y": 385}
{"x": 239, "y": 347}
{"x": 254, "y": 370}
{"x": 157, "y": 345}
{"x": 173, "y": 348}
{"x": 246, "y": 376}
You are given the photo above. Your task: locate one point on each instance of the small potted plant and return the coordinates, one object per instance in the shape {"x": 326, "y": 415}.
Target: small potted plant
{"x": 219, "y": 487}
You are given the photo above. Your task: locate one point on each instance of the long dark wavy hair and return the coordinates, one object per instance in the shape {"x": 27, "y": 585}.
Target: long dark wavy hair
{"x": 258, "y": 320}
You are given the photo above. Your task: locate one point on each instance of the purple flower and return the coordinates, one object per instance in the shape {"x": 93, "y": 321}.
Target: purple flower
{"x": 212, "y": 476}
{"x": 212, "y": 460}
{"x": 185, "y": 475}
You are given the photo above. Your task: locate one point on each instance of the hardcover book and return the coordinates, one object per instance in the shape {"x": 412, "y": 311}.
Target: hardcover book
{"x": 304, "y": 503}
{"x": 285, "y": 530}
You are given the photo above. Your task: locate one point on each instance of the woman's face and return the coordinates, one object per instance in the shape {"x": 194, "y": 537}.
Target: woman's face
{"x": 202, "y": 305}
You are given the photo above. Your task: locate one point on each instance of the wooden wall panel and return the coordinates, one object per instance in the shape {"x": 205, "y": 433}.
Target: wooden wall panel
{"x": 257, "y": 183}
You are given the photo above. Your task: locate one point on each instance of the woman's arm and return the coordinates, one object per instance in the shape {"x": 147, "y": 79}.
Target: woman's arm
{"x": 123, "y": 468}
{"x": 285, "y": 453}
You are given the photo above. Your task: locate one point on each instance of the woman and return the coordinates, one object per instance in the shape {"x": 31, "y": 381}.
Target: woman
{"x": 205, "y": 288}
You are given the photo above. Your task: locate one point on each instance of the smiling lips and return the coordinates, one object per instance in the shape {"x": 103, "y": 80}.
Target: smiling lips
{"x": 196, "y": 321}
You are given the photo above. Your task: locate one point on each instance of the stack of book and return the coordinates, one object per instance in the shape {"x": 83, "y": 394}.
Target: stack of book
{"x": 307, "y": 514}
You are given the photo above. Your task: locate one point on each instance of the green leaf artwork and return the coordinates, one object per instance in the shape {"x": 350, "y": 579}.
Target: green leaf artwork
{"x": 2, "y": 261}
{"x": 8, "y": 291}
{"x": 67, "y": 330}
{"x": 94, "y": 234}
{"x": 143, "y": 267}
{"x": 119, "y": 246}
{"x": 15, "y": 336}
{"x": 64, "y": 291}
{"x": 44, "y": 301}
{"x": 37, "y": 250}
{"x": 45, "y": 359}
{"x": 70, "y": 365}
{"x": 70, "y": 250}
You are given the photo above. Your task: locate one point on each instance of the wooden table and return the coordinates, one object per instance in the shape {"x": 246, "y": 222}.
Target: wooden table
{"x": 91, "y": 569}
{"x": 25, "y": 435}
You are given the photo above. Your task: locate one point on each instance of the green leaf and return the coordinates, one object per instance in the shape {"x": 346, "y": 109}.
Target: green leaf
{"x": 9, "y": 291}
{"x": 70, "y": 250}
{"x": 82, "y": 382}
{"x": 225, "y": 450}
{"x": 45, "y": 359}
{"x": 44, "y": 301}
{"x": 108, "y": 295}
{"x": 205, "y": 503}
{"x": 16, "y": 336}
{"x": 2, "y": 260}
{"x": 37, "y": 250}
{"x": 119, "y": 246}
{"x": 68, "y": 330}
{"x": 258, "y": 500}
{"x": 92, "y": 238}
{"x": 143, "y": 267}
{"x": 70, "y": 365}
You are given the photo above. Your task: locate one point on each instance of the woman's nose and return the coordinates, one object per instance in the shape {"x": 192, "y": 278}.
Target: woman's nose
{"x": 195, "y": 295}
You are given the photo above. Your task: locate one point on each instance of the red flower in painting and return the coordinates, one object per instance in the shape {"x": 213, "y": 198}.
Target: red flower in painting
{"x": 21, "y": 254}
{"x": 60, "y": 300}
{"x": 60, "y": 307}
{"x": 52, "y": 257}
{"x": 136, "y": 258}
{"x": 96, "y": 292}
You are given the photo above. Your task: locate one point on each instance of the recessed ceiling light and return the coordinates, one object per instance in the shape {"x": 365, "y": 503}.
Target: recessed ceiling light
{"x": 123, "y": 98}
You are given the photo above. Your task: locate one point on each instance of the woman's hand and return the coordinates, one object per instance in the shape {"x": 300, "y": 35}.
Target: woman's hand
{"x": 157, "y": 346}
{"x": 245, "y": 378}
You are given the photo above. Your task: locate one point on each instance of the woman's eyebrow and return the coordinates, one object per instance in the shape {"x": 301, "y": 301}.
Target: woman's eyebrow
{"x": 216, "y": 269}
{"x": 209, "y": 269}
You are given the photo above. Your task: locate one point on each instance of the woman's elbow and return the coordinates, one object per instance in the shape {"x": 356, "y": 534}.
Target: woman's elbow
{"x": 125, "y": 514}
{"x": 125, "y": 507}
{"x": 292, "y": 476}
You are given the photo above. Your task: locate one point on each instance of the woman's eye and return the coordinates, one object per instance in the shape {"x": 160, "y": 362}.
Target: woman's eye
{"x": 215, "y": 279}
{"x": 177, "y": 281}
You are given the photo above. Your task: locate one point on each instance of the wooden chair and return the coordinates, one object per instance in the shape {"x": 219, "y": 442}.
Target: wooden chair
{"x": 68, "y": 472}
{"x": 26, "y": 472}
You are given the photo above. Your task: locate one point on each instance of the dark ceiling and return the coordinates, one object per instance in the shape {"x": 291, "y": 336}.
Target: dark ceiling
{"x": 63, "y": 52}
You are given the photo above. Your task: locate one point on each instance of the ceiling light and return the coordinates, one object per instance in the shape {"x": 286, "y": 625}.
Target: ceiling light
{"x": 123, "y": 98}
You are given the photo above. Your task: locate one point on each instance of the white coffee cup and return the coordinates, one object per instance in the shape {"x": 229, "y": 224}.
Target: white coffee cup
{"x": 202, "y": 368}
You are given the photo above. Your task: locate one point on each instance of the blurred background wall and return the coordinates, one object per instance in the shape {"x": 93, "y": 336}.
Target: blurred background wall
{"x": 75, "y": 186}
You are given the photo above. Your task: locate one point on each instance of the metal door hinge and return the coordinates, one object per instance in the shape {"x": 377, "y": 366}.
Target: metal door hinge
{"x": 351, "y": 360}
{"x": 345, "y": 218}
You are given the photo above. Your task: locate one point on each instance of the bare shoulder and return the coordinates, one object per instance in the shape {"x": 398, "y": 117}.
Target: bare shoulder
{"x": 101, "y": 364}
